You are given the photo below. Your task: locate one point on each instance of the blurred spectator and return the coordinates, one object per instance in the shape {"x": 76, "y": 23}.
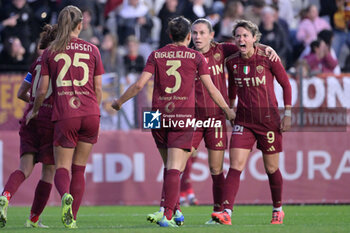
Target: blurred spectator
{"x": 23, "y": 28}
{"x": 112, "y": 65}
{"x": 134, "y": 19}
{"x": 89, "y": 33}
{"x": 311, "y": 25}
{"x": 42, "y": 12}
{"x": 327, "y": 37}
{"x": 133, "y": 64}
{"x": 253, "y": 11}
{"x": 94, "y": 6}
{"x": 109, "y": 54}
{"x": 327, "y": 10}
{"x": 214, "y": 15}
{"x": 233, "y": 11}
{"x": 169, "y": 11}
{"x": 133, "y": 61}
{"x": 284, "y": 10}
{"x": 13, "y": 56}
{"x": 195, "y": 9}
{"x": 320, "y": 59}
{"x": 341, "y": 27}
{"x": 272, "y": 33}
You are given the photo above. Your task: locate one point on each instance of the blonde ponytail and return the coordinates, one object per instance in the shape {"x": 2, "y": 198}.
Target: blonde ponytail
{"x": 68, "y": 20}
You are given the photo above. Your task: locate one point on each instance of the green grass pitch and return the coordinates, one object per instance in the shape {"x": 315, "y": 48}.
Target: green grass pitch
{"x": 132, "y": 219}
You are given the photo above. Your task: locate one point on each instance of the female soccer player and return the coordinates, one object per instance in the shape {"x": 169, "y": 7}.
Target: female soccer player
{"x": 175, "y": 68}
{"x": 251, "y": 75}
{"x": 215, "y": 138}
{"x": 36, "y": 143}
{"x": 75, "y": 68}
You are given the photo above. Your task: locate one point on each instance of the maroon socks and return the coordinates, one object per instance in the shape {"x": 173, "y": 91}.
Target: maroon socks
{"x": 172, "y": 190}
{"x": 218, "y": 190}
{"x": 42, "y": 194}
{"x": 77, "y": 187}
{"x": 15, "y": 180}
{"x": 231, "y": 187}
{"x": 276, "y": 184}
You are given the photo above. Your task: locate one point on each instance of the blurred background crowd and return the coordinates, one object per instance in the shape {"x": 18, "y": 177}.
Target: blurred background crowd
{"x": 313, "y": 34}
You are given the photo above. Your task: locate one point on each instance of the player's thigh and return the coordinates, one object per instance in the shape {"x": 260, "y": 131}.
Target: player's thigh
{"x": 177, "y": 158}
{"x": 26, "y": 163}
{"x": 271, "y": 162}
{"x": 216, "y": 161}
{"x": 63, "y": 157}
{"x": 238, "y": 158}
{"x": 81, "y": 153}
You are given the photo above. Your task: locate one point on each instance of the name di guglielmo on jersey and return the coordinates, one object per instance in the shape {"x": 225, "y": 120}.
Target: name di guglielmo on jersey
{"x": 175, "y": 54}
{"x": 191, "y": 123}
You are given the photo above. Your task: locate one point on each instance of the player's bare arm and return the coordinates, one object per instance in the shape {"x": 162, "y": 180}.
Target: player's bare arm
{"x": 286, "y": 122}
{"x": 132, "y": 91}
{"x": 98, "y": 88}
{"x": 39, "y": 97}
{"x": 23, "y": 93}
{"x": 217, "y": 97}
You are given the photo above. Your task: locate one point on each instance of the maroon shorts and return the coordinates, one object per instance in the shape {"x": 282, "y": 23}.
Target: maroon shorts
{"x": 37, "y": 138}
{"x": 69, "y": 131}
{"x": 170, "y": 138}
{"x": 214, "y": 138}
{"x": 268, "y": 141}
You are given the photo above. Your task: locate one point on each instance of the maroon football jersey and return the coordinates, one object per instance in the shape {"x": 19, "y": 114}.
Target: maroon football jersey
{"x": 175, "y": 69}
{"x": 72, "y": 75}
{"x": 253, "y": 78}
{"x": 45, "y": 111}
{"x": 215, "y": 57}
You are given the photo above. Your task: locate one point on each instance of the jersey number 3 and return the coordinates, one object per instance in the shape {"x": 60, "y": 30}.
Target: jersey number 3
{"x": 172, "y": 71}
{"x": 67, "y": 64}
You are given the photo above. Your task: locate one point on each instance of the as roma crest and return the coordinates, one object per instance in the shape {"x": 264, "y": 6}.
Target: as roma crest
{"x": 260, "y": 69}
{"x": 217, "y": 56}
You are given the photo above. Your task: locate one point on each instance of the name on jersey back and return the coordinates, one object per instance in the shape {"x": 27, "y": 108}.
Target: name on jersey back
{"x": 79, "y": 46}
{"x": 175, "y": 54}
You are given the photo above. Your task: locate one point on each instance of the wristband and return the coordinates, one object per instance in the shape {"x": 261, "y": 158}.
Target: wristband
{"x": 288, "y": 113}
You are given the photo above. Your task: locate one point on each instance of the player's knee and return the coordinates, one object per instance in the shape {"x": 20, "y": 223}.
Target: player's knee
{"x": 215, "y": 170}
{"x": 271, "y": 169}
{"x": 48, "y": 173}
